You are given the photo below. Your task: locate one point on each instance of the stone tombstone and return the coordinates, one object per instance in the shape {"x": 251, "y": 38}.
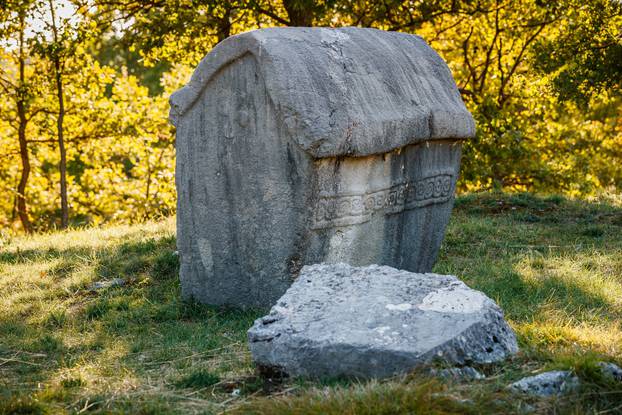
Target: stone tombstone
{"x": 305, "y": 145}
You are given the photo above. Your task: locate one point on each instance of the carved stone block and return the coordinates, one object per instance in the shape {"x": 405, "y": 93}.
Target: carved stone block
{"x": 304, "y": 145}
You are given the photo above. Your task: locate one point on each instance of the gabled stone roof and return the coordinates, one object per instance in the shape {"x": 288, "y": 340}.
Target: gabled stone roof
{"x": 348, "y": 91}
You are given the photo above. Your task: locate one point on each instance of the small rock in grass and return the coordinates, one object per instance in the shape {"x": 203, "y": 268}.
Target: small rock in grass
{"x": 115, "y": 282}
{"x": 611, "y": 370}
{"x": 458, "y": 374}
{"x": 526, "y": 408}
{"x": 553, "y": 383}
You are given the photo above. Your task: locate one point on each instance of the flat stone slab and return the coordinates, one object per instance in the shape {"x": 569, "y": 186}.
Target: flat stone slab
{"x": 553, "y": 383}
{"x": 377, "y": 321}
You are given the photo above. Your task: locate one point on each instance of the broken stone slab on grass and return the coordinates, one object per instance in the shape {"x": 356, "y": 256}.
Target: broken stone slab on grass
{"x": 553, "y": 383}
{"x": 377, "y": 321}
{"x": 100, "y": 285}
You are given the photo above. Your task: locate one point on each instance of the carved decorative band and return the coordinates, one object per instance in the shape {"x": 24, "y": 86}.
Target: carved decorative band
{"x": 339, "y": 210}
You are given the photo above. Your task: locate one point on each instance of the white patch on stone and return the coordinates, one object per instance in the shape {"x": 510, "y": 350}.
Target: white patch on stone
{"x": 330, "y": 35}
{"x": 382, "y": 329}
{"x": 399, "y": 307}
{"x": 453, "y": 300}
{"x": 205, "y": 250}
{"x": 340, "y": 245}
{"x": 277, "y": 309}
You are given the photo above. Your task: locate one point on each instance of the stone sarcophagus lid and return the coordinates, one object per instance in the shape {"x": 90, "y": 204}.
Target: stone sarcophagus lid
{"x": 304, "y": 145}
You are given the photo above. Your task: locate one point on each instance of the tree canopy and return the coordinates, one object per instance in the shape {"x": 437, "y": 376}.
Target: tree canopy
{"x": 85, "y": 93}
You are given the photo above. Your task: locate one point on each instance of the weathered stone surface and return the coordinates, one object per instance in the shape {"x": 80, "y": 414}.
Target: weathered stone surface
{"x": 458, "y": 374}
{"x": 611, "y": 370}
{"x": 99, "y": 285}
{"x": 553, "y": 383}
{"x": 304, "y": 145}
{"x": 377, "y": 321}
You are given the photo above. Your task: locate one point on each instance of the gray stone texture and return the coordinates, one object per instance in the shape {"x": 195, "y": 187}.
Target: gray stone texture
{"x": 99, "y": 285}
{"x": 458, "y": 374}
{"x": 377, "y": 321}
{"x": 304, "y": 145}
{"x": 553, "y": 383}
{"x": 611, "y": 371}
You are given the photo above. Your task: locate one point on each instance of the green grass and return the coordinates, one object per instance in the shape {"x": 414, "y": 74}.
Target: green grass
{"x": 554, "y": 265}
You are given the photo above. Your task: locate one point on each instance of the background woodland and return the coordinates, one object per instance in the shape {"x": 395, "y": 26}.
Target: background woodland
{"x": 84, "y": 136}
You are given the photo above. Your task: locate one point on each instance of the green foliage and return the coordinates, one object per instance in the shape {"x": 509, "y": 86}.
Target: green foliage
{"x": 113, "y": 52}
{"x": 48, "y": 343}
{"x": 22, "y": 406}
{"x": 197, "y": 379}
{"x": 585, "y": 57}
{"x": 97, "y": 309}
{"x": 526, "y": 138}
{"x": 166, "y": 265}
{"x": 57, "y": 318}
{"x": 542, "y": 80}
{"x": 425, "y": 397}
{"x": 72, "y": 382}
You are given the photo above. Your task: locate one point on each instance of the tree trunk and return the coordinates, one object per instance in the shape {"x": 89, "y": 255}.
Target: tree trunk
{"x": 59, "y": 125}
{"x": 300, "y": 12}
{"x": 224, "y": 25}
{"x": 22, "y": 208}
{"x": 61, "y": 146}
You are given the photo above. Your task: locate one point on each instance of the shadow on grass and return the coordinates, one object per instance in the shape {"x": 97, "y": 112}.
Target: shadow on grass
{"x": 563, "y": 268}
{"x": 522, "y": 300}
{"x": 141, "y": 326}
{"x": 547, "y": 210}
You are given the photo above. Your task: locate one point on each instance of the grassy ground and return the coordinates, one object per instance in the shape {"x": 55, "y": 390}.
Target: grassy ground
{"x": 554, "y": 266}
